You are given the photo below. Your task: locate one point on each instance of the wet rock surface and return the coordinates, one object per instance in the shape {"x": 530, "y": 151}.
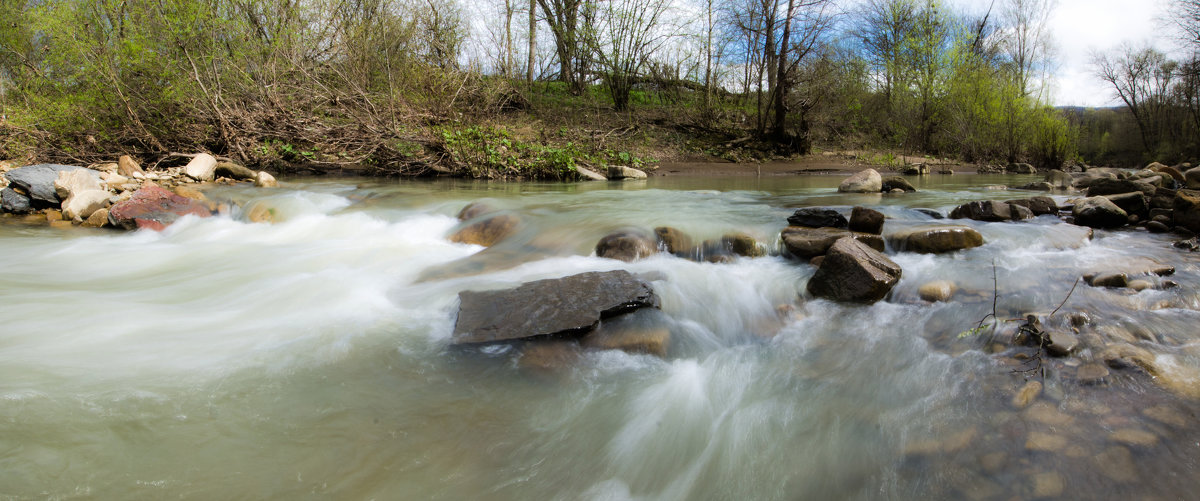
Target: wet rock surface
{"x": 935, "y": 239}
{"x": 894, "y": 183}
{"x": 487, "y": 231}
{"x": 568, "y": 306}
{"x": 817, "y": 218}
{"x": 807, "y": 243}
{"x": 990, "y": 211}
{"x": 154, "y": 208}
{"x": 853, "y": 271}
{"x": 627, "y": 245}
{"x": 864, "y": 220}
{"x": 1099, "y": 212}
{"x": 865, "y": 181}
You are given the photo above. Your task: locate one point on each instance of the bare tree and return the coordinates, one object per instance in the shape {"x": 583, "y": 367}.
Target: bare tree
{"x": 1141, "y": 78}
{"x": 1186, "y": 15}
{"x": 569, "y": 23}
{"x": 629, "y": 32}
{"x": 1028, "y": 39}
{"x": 532, "y": 41}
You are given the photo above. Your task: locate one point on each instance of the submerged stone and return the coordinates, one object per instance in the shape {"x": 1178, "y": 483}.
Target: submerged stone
{"x": 935, "y": 239}
{"x": 641, "y": 332}
{"x": 673, "y": 240}
{"x": 558, "y": 306}
{"x": 940, "y": 290}
{"x": 626, "y": 245}
{"x": 742, "y": 244}
{"x": 1027, "y": 394}
{"x": 487, "y": 232}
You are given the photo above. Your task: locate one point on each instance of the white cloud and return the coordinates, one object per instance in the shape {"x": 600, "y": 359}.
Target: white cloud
{"x": 1080, "y": 27}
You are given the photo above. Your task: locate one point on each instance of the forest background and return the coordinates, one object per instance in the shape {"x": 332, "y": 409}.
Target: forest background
{"x": 411, "y": 87}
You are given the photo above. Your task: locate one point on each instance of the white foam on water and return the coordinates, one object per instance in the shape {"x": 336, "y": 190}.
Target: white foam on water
{"x": 213, "y": 295}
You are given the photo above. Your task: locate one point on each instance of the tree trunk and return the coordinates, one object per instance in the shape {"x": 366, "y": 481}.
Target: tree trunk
{"x": 532, "y": 41}
{"x": 783, "y": 85}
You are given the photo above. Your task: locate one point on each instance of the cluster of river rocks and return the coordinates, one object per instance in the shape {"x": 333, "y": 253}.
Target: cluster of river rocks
{"x": 118, "y": 195}
{"x": 850, "y": 253}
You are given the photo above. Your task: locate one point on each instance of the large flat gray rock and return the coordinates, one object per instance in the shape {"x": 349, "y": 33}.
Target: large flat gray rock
{"x": 38, "y": 180}
{"x": 559, "y": 306}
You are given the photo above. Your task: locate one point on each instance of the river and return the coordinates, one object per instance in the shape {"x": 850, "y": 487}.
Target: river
{"x": 311, "y": 358}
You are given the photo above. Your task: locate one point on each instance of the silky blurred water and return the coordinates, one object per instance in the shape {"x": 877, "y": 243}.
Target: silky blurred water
{"x": 311, "y": 358}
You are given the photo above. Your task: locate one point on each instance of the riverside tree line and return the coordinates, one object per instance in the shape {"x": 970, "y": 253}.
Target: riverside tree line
{"x": 529, "y": 86}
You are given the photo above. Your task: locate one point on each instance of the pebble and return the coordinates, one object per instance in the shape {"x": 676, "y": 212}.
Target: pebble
{"x": 1077, "y": 451}
{"x": 1047, "y": 485}
{"x": 1027, "y": 394}
{"x": 993, "y": 462}
{"x": 1163, "y": 271}
{"x": 1117, "y": 464}
{"x": 1045, "y": 442}
{"x": 1165, "y": 415}
{"x": 98, "y": 219}
{"x": 1109, "y": 280}
{"x": 1140, "y": 285}
{"x": 960, "y": 440}
{"x": 1046, "y": 413}
{"x": 939, "y": 290}
{"x": 1092, "y": 373}
{"x": 1134, "y": 436}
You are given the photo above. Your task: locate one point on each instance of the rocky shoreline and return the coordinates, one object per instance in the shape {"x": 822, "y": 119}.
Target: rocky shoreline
{"x": 851, "y": 256}
{"x": 118, "y": 195}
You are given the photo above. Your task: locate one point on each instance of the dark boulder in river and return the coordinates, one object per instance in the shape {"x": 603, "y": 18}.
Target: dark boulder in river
{"x": 568, "y": 306}
{"x": 991, "y": 211}
{"x": 866, "y": 220}
{"x": 817, "y": 218}
{"x": 853, "y": 271}
{"x": 1187, "y": 209}
{"x": 154, "y": 207}
{"x": 1105, "y": 186}
{"x": 1040, "y": 206}
{"x": 897, "y": 183}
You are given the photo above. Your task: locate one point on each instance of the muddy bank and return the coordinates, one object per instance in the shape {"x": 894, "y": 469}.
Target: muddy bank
{"x": 825, "y": 163}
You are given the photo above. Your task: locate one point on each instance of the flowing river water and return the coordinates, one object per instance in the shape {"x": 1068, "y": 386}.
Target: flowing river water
{"x": 311, "y": 358}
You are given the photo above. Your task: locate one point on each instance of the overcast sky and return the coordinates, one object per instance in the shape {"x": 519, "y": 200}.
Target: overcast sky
{"x": 1080, "y": 26}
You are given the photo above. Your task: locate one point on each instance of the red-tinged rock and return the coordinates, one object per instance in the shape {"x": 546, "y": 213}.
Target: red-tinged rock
{"x": 154, "y": 208}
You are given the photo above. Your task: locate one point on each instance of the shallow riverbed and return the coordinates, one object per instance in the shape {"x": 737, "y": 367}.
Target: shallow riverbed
{"x": 311, "y": 358}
